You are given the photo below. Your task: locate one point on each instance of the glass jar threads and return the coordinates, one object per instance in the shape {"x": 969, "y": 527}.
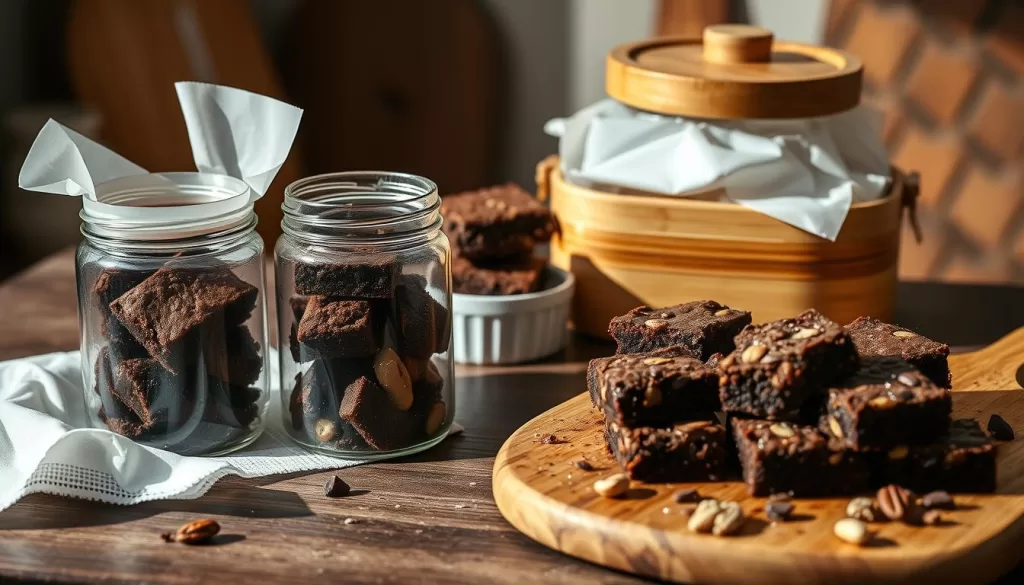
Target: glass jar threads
{"x": 170, "y": 295}
{"x": 364, "y": 298}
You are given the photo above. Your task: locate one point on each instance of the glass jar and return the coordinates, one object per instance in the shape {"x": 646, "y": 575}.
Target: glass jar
{"x": 364, "y": 297}
{"x": 172, "y": 311}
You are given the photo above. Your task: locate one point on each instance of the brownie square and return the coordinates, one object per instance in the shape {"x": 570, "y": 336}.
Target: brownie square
{"x": 511, "y": 277}
{"x": 963, "y": 460}
{"x": 171, "y": 305}
{"x": 163, "y": 402}
{"x": 498, "y": 222}
{"x": 108, "y": 287}
{"x": 703, "y": 327}
{"x": 886, "y": 403}
{"x": 231, "y": 354}
{"x": 779, "y": 457}
{"x": 876, "y": 338}
{"x": 371, "y": 413}
{"x": 424, "y": 327}
{"x": 318, "y": 391}
{"x": 333, "y": 327}
{"x": 692, "y": 451}
{"x": 778, "y": 366}
{"x": 643, "y": 390}
{"x": 372, "y": 277}
{"x": 103, "y": 374}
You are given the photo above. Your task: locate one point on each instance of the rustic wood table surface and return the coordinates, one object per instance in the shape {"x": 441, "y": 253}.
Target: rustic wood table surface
{"x": 428, "y": 518}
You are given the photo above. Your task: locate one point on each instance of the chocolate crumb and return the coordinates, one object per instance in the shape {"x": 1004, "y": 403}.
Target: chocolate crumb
{"x": 939, "y": 499}
{"x": 778, "y": 510}
{"x": 584, "y": 465}
{"x": 687, "y": 495}
{"x": 336, "y": 488}
{"x": 351, "y": 521}
{"x": 550, "y": 439}
{"x": 999, "y": 428}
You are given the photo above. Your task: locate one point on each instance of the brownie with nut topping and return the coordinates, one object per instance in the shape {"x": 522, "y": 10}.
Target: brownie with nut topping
{"x": 498, "y": 222}
{"x": 690, "y": 451}
{"x": 876, "y": 338}
{"x": 886, "y": 402}
{"x": 962, "y": 460}
{"x": 780, "y": 457}
{"x": 777, "y": 367}
{"x": 703, "y": 327}
{"x": 637, "y": 390}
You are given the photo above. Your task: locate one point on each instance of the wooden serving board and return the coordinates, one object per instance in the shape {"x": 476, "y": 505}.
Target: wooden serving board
{"x": 540, "y": 492}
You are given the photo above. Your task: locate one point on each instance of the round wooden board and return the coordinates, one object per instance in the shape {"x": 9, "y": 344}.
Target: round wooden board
{"x": 540, "y": 491}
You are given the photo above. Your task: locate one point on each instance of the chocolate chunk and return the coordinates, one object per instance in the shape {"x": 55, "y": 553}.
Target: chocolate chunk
{"x": 687, "y": 496}
{"x": 333, "y": 327}
{"x": 170, "y": 306}
{"x": 423, "y": 322}
{"x": 368, "y": 409}
{"x": 514, "y": 276}
{"x": 778, "y": 511}
{"x": 703, "y": 327}
{"x": 999, "y": 428}
{"x": 336, "y": 487}
{"x": 584, "y": 465}
{"x": 498, "y": 222}
{"x": 371, "y": 277}
{"x": 875, "y": 338}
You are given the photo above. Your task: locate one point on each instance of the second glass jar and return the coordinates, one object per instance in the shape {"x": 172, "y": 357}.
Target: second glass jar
{"x": 364, "y": 311}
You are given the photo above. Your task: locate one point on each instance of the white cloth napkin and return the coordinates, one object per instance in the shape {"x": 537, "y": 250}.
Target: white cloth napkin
{"x": 45, "y": 445}
{"x": 805, "y": 172}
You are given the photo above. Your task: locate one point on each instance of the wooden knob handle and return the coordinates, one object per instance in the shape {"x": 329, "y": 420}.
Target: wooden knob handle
{"x": 737, "y": 43}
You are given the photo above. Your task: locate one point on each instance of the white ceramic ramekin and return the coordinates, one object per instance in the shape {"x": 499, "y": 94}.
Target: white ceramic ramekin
{"x": 510, "y": 329}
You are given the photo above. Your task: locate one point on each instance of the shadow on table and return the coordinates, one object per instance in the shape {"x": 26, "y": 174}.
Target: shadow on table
{"x": 43, "y": 512}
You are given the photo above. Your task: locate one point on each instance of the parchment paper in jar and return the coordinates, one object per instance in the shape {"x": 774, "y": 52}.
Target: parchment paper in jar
{"x": 804, "y": 172}
{"x": 232, "y": 132}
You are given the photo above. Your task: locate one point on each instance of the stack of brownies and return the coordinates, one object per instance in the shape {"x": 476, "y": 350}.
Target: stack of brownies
{"x": 179, "y": 358}
{"x": 811, "y": 408}
{"x": 493, "y": 233}
{"x": 364, "y": 332}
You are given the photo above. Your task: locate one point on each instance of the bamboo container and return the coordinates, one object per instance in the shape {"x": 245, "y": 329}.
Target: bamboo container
{"x": 636, "y": 249}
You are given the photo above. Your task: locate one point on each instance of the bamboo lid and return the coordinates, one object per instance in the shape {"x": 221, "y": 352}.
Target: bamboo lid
{"x": 735, "y": 71}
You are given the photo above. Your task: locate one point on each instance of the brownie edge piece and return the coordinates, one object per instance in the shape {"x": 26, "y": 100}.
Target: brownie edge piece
{"x": 648, "y": 390}
{"x": 777, "y": 367}
{"x": 513, "y": 277}
{"x": 779, "y": 457}
{"x": 692, "y": 451}
{"x": 703, "y": 327}
{"x": 333, "y": 327}
{"x": 886, "y": 403}
{"x": 370, "y": 278}
{"x": 498, "y": 222}
{"x": 963, "y": 460}
{"x": 876, "y": 338}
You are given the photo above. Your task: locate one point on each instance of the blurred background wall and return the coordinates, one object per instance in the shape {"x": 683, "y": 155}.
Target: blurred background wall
{"x": 459, "y": 90}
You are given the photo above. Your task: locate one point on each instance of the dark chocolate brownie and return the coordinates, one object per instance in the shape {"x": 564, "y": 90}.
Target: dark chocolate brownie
{"x": 367, "y": 278}
{"x": 162, "y": 402}
{"x": 513, "y": 277}
{"x": 639, "y": 390}
{"x": 111, "y": 405}
{"x": 778, "y": 366}
{"x": 779, "y": 457}
{"x": 333, "y": 327}
{"x": 109, "y": 285}
{"x": 171, "y": 305}
{"x": 298, "y": 306}
{"x": 231, "y": 354}
{"x": 964, "y": 460}
{"x": 368, "y": 409}
{"x": 423, "y": 323}
{"x": 498, "y": 222}
{"x": 887, "y": 402}
{"x": 692, "y": 451}
{"x": 703, "y": 327}
{"x": 875, "y": 338}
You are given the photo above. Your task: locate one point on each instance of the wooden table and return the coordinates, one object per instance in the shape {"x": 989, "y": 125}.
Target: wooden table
{"x": 428, "y": 518}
